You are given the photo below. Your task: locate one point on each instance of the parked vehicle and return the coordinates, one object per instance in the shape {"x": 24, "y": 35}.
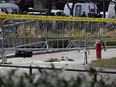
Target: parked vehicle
{"x": 89, "y": 8}
{"x": 57, "y": 12}
{"x": 106, "y": 14}
{"x": 112, "y": 9}
{"x": 9, "y": 8}
{"x": 111, "y": 13}
{"x": 34, "y": 11}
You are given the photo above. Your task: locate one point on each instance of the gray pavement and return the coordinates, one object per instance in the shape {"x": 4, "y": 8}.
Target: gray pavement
{"x": 38, "y": 60}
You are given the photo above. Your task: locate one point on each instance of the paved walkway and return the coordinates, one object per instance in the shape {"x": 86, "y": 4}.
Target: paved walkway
{"x": 39, "y": 59}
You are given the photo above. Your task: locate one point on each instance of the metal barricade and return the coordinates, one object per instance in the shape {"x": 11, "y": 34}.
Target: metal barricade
{"x": 55, "y": 34}
{"x": 51, "y": 35}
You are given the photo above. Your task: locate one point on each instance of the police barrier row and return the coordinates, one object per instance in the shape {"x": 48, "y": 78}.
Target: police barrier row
{"x": 46, "y": 34}
{"x": 51, "y": 34}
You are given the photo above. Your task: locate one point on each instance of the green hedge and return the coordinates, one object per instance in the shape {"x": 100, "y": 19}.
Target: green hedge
{"x": 52, "y": 78}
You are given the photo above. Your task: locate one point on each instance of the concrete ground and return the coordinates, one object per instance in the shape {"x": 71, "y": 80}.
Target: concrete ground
{"x": 78, "y": 57}
{"x": 38, "y": 60}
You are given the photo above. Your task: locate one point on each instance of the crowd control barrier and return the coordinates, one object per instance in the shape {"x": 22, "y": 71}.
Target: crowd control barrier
{"x": 53, "y": 33}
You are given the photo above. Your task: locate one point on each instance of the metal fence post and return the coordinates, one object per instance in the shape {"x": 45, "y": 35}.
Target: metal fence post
{"x": 30, "y": 70}
{"x": 2, "y": 42}
{"x": 85, "y": 50}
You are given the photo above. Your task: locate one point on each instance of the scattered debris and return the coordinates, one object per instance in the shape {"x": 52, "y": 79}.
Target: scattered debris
{"x": 59, "y": 59}
{"x": 52, "y": 60}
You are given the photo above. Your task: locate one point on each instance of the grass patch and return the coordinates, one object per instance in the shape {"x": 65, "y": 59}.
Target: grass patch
{"x": 111, "y": 61}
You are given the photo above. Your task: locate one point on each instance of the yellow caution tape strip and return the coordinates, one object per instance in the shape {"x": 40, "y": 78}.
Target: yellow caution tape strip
{"x": 62, "y": 18}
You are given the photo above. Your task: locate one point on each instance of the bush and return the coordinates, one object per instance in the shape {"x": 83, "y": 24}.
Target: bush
{"x": 49, "y": 78}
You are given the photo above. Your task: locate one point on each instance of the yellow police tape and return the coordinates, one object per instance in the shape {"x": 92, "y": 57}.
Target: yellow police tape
{"x": 62, "y": 18}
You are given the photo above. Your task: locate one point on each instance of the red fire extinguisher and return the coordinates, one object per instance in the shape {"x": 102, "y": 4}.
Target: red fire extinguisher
{"x": 98, "y": 47}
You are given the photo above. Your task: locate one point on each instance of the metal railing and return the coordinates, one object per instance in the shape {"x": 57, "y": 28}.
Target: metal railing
{"x": 31, "y": 67}
{"x": 55, "y": 34}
